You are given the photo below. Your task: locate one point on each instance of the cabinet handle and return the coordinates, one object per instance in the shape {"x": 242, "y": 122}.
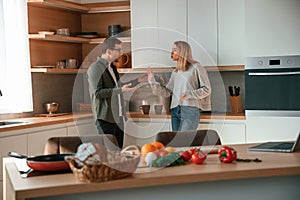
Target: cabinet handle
{"x": 273, "y": 73}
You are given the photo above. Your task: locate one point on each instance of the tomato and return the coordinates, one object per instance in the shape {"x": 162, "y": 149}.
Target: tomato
{"x": 186, "y": 156}
{"x": 198, "y": 158}
{"x": 192, "y": 151}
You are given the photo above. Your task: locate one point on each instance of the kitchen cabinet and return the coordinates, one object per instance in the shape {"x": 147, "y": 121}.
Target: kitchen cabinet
{"x": 230, "y": 131}
{"x": 272, "y": 27}
{"x": 202, "y": 30}
{"x": 231, "y": 32}
{"x": 38, "y": 139}
{"x": 17, "y": 143}
{"x": 172, "y": 26}
{"x": 50, "y": 15}
{"x": 275, "y": 128}
{"x": 196, "y": 21}
{"x": 144, "y": 42}
{"x": 139, "y": 131}
{"x": 82, "y": 128}
{"x": 154, "y": 29}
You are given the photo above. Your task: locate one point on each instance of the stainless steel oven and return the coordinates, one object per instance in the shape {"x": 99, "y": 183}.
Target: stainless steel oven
{"x": 272, "y": 97}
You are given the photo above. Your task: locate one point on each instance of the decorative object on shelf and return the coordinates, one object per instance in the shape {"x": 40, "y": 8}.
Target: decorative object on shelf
{"x": 63, "y": 31}
{"x": 60, "y": 64}
{"x": 124, "y": 61}
{"x": 51, "y": 107}
{"x": 71, "y": 63}
{"x": 114, "y": 30}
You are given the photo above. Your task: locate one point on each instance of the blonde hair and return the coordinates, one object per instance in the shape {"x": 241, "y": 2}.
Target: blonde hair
{"x": 185, "y": 59}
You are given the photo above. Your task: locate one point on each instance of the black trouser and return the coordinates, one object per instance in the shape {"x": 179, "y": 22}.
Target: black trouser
{"x": 116, "y": 129}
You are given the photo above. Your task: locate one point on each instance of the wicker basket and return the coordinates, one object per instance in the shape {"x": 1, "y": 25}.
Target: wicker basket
{"x": 119, "y": 165}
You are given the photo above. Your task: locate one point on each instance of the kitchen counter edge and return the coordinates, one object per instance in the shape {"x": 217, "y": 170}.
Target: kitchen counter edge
{"x": 31, "y": 122}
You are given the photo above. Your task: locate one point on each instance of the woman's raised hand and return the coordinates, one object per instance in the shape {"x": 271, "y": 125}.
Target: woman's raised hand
{"x": 150, "y": 75}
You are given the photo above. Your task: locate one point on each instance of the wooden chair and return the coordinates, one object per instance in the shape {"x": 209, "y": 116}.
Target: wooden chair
{"x": 69, "y": 144}
{"x": 188, "y": 138}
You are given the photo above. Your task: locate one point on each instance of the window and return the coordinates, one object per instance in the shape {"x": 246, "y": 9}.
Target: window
{"x": 15, "y": 76}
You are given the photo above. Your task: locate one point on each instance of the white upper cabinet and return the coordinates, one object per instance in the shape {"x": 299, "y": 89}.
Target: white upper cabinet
{"x": 272, "y": 27}
{"x": 202, "y": 30}
{"x": 156, "y": 24}
{"x": 172, "y": 18}
{"x": 144, "y": 32}
{"x": 231, "y": 32}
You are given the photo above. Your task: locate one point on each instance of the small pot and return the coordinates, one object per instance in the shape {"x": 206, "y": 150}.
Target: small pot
{"x": 51, "y": 107}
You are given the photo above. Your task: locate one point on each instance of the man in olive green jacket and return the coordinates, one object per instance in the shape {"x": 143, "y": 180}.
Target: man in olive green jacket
{"x": 106, "y": 90}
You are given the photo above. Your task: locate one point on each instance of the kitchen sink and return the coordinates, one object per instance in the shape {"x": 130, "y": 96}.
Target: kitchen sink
{"x": 10, "y": 123}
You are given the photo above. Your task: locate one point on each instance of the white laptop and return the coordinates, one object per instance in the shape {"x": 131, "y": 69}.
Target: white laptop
{"x": 278, "y": 146}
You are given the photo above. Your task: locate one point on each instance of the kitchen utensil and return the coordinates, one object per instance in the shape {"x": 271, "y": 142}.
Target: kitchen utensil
{"x": 114, "y": 30}
{"x": 53, "y": 162}
{"x": 71, "y": 63}
{"x": 145, "y": 109}
{"x": 237, "y": 91}
{"x": 51, "y": 107}
{"x": 230, "y": 90}
{"x": 236, "y": 104}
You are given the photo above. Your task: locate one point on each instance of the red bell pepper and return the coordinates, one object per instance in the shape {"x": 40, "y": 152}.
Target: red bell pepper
{"x": 227, "y": 154}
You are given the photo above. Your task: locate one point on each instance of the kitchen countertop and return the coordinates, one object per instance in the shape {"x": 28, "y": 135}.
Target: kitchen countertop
{"x": 226, "y": 116}
{"x": 238, "y": 175}
{"x": 32, "y": 122}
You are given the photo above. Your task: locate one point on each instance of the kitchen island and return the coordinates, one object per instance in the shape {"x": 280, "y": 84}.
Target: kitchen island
{"x": 276, "y": 177}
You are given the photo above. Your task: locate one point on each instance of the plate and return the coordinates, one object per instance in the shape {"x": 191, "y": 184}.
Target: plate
{"x": 46, "y": 32}
{"x": 43, "y": 66}
{"x": 87, "y": 36}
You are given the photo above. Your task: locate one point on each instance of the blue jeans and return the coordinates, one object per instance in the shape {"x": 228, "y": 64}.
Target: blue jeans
{"x": 185, "y": 118}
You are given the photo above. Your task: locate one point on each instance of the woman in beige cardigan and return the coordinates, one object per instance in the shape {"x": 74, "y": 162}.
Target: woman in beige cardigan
{"x": 189, "y": 86}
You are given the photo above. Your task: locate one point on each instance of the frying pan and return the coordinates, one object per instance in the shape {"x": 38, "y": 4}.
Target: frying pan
{"x": 53, "y": 162}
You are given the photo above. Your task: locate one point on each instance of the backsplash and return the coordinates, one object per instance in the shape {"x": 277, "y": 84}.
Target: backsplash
{"x": 59, "y": 88}
{"x": 48, "y": 88}
{"x": 219, "y": 83}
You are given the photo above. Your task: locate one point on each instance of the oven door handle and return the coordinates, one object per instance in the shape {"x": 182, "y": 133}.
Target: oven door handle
{"x": 273, "y": 73}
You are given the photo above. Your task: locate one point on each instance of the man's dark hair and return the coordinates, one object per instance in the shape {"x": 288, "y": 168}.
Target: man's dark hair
{"x": 109, "y": 43}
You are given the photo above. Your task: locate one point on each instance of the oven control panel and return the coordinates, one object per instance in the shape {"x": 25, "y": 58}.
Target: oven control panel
{"x": 271, "y": 62}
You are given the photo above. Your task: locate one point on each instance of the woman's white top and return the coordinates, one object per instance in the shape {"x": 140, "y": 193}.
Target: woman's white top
{"x": 194, "y": 83}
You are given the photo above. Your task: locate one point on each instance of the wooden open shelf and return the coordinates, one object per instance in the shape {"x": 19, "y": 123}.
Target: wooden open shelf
{"x": 119, "y": 6}
{"x": 60, "y": 38}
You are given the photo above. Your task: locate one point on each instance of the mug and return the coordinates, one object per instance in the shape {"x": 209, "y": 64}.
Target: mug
{"x": 158, "y": 109}
{"x": 122, "y": 61}
{"x": 145, "y": 109}
{"x": 60, "y": 64}
{"x": 71, "y": 63}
